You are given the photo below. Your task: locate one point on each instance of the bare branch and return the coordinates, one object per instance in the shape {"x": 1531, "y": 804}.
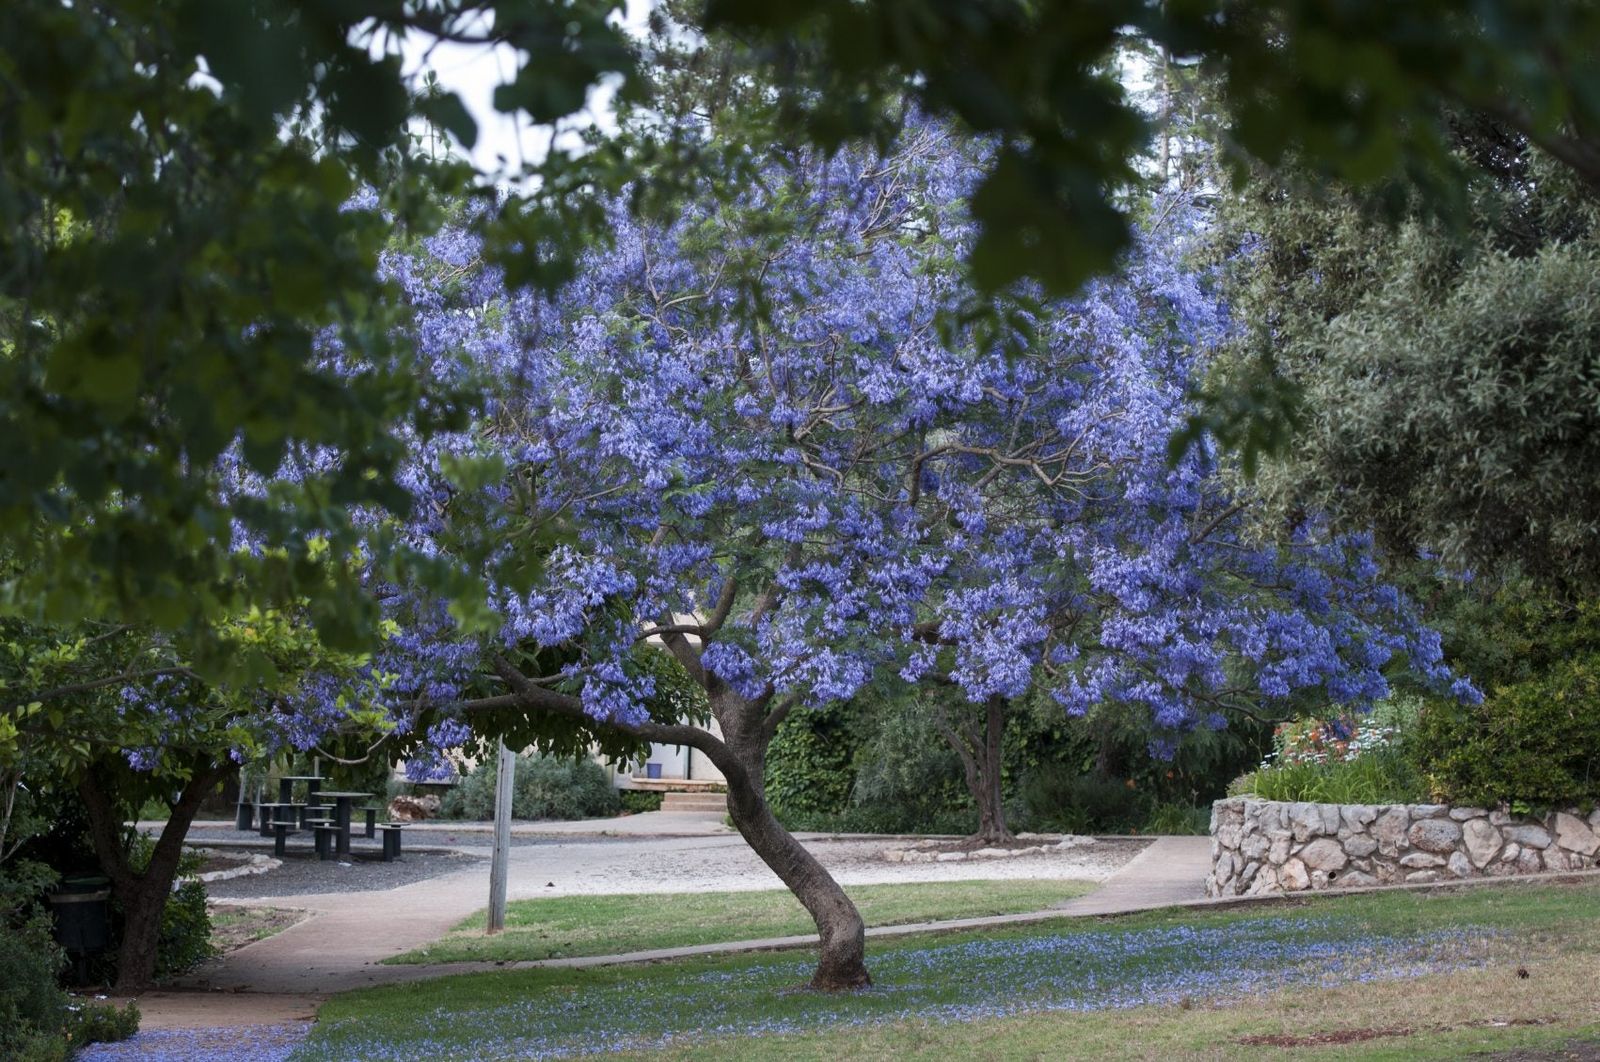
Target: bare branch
{"x": 1222, "y": 518}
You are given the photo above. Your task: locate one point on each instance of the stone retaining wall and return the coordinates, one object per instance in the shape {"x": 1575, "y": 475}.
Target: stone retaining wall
{"x": 1262, "y": 846}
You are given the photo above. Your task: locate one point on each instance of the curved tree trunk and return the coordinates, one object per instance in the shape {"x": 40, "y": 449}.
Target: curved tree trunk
{"x": 740, "y": 754}
{"x": 142, "y": 894}
{"x": 842, "y": 964}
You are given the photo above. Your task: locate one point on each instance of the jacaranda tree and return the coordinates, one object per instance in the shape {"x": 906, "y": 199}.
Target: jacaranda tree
{"x": 1080, "y": 559}
{"x": 769, "y": 439}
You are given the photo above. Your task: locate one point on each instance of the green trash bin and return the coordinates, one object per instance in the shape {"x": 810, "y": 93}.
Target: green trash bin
{"x": 82, "y": 907}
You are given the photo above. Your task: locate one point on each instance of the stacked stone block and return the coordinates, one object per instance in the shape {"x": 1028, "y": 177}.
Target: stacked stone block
{"x": 1260, "y": 846}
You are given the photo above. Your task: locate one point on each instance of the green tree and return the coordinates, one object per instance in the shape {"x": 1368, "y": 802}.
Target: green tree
{"x": 186, "y": 278}
{"x": 1446, "y": 373}
{"x": 1359, "y": 91}
{"x": 114, "y": 716}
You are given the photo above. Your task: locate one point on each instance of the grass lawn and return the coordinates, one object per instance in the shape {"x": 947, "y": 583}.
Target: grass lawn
{"x": 606, "y": 925}
{"x": 1392, "y": 975}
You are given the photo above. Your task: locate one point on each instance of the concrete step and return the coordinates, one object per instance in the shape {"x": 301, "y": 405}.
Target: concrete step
{"x": 717, "y": 802}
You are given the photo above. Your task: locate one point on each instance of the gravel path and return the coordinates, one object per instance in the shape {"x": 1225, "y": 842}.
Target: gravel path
{"x": 485, "y": 840}
{"x": 305, "y": 875}
{"x": 728, "y": 864}
{"x": 863, "y": 863}
{"x": 203, "y": 836}
{"x": 556, "y": 866}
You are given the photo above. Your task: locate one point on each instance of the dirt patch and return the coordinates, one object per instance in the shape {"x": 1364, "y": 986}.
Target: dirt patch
{"x": 234, "y": 927}
{"x": 1356, "y": 1036}
{"x": 1342, "y": 1036}
{"x": 1571, "y": 1051}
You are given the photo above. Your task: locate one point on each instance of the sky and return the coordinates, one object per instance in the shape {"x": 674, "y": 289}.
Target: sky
{"x": 506, "y": 141}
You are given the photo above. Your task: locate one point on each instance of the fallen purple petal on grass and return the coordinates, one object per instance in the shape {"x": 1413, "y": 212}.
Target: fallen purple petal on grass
{"x": 244, "y": 1043}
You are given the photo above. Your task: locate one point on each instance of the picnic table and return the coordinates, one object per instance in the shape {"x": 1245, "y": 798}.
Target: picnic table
{"x": 343, "y": 802}
{"x": 332, "y": 836}
{"x": 286, "y": 786}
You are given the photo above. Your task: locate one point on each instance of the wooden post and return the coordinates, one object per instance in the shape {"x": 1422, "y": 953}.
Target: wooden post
{"x": 505, "y": 773}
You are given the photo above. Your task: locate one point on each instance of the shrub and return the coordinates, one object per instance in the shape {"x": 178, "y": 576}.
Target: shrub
{"x": 1056, "y": 797}
{"x": 1386, "y": 777}
{"x": 887, "y": 818}
{"x": 638, "y": 800}
{"x": 872, "y": 765}
{"x": 1344, "y": 759}
{"x": 1177, "y": 819}
{"x": 810, "y": 769}
{"x": 1535, "y": 742}
{"x": 544, "y": 788}
{"x": 185, "y": 940}
{"x": 33, "y": 1008}
{"x": 95, "y": 1024}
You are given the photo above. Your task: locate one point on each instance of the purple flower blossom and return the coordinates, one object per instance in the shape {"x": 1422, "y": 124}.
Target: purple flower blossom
{"x": 896, "y": 476}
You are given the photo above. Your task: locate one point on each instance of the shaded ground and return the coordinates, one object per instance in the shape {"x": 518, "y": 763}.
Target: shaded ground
{"x": 304, "y": 874}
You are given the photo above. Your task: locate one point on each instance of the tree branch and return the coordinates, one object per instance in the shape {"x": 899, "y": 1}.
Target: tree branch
{"x": 779, "y": 712}
{"x": 724, "y": 605}
{"x": 1222, "y": 518}
{"x": 110, "y": 680}
{"x": 527, "y": 694}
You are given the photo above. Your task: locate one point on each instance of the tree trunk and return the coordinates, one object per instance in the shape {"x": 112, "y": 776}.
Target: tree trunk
{"x": 990, "y": 796}
{"x": 740, "y": 754}
{"x": 979, "y": 748}
{"x": 142, "y": 894}
{"x": 842, "y": 964}
{"x": 142, "y": 908}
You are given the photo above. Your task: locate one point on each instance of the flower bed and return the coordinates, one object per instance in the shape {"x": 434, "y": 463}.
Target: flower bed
{"x": 1260, "y": 846}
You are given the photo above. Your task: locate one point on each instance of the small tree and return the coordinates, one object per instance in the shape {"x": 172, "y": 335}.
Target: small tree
{"x": 115, "y": 716}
